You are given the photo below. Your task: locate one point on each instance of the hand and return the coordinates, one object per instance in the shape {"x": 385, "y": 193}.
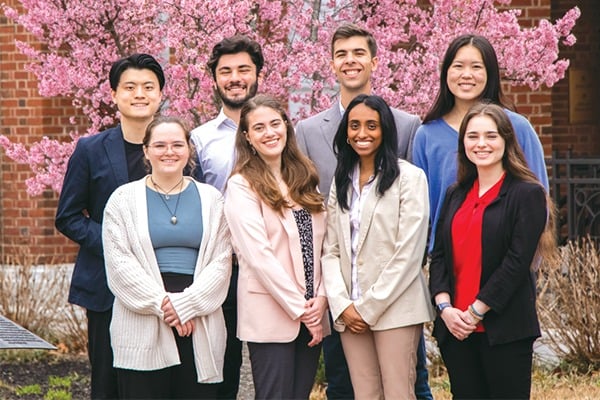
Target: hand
{"x": 353, "y": 320}
{"x": 316, "y": 332}
{"x": 186, "y": 329}
{"x": 170, "y": 315}
{"x": 458, "y": 322}
{"x": 314, "y": 313}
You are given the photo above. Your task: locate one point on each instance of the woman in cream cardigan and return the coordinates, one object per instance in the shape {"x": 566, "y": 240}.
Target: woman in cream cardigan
{"x": 376, "y": 233}
{"x": 168, "y": 263}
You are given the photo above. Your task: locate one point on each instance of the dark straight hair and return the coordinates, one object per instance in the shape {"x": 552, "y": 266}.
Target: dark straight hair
{"x": 386, "y": 157}
{"x": 135, "y": 61}
{"x": 493, "y": 89}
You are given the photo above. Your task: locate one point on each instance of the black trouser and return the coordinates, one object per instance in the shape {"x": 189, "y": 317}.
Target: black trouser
{"x": 176, "y": 382}
{"x": 284, "y": 370}
{"x": 480, "y": 371}
{"x": 228, "y": 389}
{"x": 104, "y": 377}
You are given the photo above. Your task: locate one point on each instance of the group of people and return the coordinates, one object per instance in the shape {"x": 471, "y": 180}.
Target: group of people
{"x": 309, "y": 238}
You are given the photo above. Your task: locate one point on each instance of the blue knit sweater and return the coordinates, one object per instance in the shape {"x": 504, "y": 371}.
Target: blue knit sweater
{"x": 435, "y": 147}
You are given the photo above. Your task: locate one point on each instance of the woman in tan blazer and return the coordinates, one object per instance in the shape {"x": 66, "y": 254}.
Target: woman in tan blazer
{"x": 277, "y": 222}
{"x": 376, "y": 234}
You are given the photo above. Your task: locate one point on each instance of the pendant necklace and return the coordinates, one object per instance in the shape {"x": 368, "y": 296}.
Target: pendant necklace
{"x": 166, "y": 197}
{"x": 166, "y": 193}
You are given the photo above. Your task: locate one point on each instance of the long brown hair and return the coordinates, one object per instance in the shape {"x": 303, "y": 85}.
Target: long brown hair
{"x": 513, "y": 162}
{"x": 297, "y": 170}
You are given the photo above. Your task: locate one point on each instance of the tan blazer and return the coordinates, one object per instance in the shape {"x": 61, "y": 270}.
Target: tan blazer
{"x": 271, "y": 282}
{"x": 392, "y": 238}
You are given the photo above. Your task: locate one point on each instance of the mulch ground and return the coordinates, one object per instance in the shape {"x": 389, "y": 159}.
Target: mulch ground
{"x": 17, "y": 374}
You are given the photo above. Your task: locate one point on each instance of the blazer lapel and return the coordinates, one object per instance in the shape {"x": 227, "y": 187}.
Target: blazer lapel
{"x": 366, "y": 215}
{"x": 115, "y": 151}
{"x": 346, "y": 233}
{"x": 331, "y": 120}
{"x": 289, "y": 224}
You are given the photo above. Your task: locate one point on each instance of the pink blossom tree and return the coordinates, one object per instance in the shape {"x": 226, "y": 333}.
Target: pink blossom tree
{"x": 82, "y": 40}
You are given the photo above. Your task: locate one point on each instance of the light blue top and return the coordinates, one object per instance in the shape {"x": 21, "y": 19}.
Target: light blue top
{"x": 176, "y": 245}
{"x": 435, "y": 147}
{"x": 215, "y": 145}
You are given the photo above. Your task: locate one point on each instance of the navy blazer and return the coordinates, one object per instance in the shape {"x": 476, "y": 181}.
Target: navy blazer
{"x": 96, "y": 168}
{"x": 512, "y": 226}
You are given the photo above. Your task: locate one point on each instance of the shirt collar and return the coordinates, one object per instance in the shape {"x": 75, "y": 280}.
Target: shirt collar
{"x": 223, "y": 119}
{"x": 341, "y": 107}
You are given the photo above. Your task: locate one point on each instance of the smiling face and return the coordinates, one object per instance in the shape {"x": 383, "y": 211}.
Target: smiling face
{"x": 137, "y": 95}
{"x": 267, "y": 133}
{"x": 467, "y": 76}
{"x": 353, "y": 63}
{"x": 364, "y": 131}
{"x": 484, "y": 146}
{"x": 236, "y": 79}
{"x": 168, "y": 150}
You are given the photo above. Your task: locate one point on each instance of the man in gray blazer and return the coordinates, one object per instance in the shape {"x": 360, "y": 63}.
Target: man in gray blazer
{"x": 354, "y": 58}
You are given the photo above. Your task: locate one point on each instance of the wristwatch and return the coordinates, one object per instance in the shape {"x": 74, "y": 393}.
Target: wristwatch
{"x": 440, "y": 307}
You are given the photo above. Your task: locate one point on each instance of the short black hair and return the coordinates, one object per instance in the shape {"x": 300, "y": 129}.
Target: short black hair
{"x": 135, "y": 61}
{"x": 233, "y": 45}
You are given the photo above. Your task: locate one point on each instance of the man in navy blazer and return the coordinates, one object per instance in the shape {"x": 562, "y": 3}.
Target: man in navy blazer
{"x": 354, "y": 58}
{"x": 100, "y": 164}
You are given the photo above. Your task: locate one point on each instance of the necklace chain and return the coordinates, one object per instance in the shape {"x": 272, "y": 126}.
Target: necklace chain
{"x": 166, "y": 193}
{"x": 166, "y": 197}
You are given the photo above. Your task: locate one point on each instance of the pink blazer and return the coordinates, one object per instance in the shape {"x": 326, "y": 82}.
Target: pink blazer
{"x": 271, "y": 283}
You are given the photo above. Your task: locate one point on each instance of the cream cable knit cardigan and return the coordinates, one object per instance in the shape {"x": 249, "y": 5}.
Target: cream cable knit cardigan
{"x": 141, "y": 340}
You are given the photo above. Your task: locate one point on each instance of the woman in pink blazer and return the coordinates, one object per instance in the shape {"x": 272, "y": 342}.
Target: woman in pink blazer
{"x": 277, "y": 222}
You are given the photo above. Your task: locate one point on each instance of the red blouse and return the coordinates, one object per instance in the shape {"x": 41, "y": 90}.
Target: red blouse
{"x": 466, "y": 245}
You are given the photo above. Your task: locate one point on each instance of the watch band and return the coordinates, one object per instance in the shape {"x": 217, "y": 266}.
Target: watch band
{"x": 440, "y": 307}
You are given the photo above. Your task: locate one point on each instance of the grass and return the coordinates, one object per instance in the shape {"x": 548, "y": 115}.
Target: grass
{"x": 547, "y": 385}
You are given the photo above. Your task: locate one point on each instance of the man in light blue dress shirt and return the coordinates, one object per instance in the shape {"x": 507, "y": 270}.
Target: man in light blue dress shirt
{"x": 235, "y": 63}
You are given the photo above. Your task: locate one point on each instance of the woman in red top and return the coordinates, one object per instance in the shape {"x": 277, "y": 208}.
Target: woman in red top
{"x": 494, "y": 220}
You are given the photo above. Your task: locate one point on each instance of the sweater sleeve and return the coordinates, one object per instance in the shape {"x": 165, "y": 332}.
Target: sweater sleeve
{"x": 532, "y": 148}
{"x": 129, "y": 278}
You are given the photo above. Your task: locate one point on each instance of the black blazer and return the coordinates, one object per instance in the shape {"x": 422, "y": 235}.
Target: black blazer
{"x": 512, "y": 226}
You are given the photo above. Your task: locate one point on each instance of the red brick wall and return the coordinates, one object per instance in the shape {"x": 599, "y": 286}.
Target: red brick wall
{"x": 583, "y": 139}
{"x": 535, "y": 105}
{"x": 26, "y": 221}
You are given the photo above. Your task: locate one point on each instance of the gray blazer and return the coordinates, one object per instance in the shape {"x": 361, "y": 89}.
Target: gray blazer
{"x": 315, "y": 138}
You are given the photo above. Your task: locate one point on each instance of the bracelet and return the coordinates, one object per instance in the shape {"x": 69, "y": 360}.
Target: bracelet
{"x": 475, "y": 313}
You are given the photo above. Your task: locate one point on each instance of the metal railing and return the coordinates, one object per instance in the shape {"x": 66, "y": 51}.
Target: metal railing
{"x": 575, "y": 188}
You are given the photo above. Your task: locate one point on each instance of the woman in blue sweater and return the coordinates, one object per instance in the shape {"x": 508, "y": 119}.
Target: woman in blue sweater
{"x": 469, "y": 74}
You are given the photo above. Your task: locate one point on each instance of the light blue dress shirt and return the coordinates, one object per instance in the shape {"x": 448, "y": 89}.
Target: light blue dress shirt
{"x": 215, "y": 145}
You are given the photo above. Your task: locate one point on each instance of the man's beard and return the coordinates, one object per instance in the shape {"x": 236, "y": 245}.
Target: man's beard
{"x": 236, "y": 104}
